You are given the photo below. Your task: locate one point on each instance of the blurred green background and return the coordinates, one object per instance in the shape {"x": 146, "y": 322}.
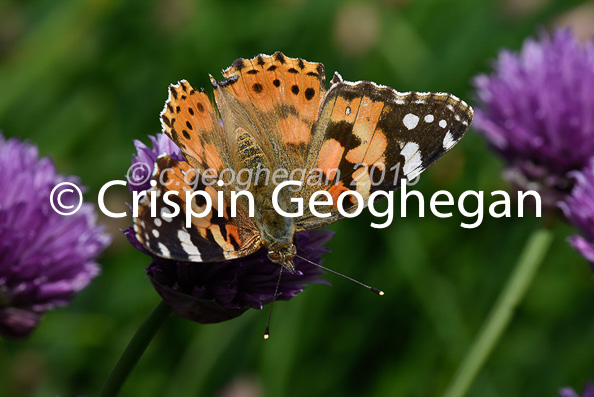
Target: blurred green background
{"x": 82, "y": 79}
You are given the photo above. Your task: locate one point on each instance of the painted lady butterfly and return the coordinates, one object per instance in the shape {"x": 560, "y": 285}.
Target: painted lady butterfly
{"x": 274, "y": 113}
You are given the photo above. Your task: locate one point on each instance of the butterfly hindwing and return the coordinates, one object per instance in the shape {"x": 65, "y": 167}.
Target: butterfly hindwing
{"x": 211, "y": 238}
{"x": 368, "y": 137}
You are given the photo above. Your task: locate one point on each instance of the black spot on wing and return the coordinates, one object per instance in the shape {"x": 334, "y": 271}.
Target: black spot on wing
{"x": 239, "y": 64}
{"x": 309, "y": 93}
{"x": 173, "y": 91}
{"x": 341, "y": 131}
{"x": 224, "y": 83}
{"x": 175, "y": 135}
{"x": 199, "y": 200}
{"x": 320, "y": 69}
{"x": 279, "y": 57}
{"x": 166, "y": 120}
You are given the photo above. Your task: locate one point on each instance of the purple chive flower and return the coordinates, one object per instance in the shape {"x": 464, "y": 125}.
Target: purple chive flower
{"x": 214, "y": 292}
{"x": 143, "y": 163}
{"x": 536, "y": 111}
{"x": 569, "y": 392}
{"x": 45, "y": 257}
{"x": 578, "y": 208}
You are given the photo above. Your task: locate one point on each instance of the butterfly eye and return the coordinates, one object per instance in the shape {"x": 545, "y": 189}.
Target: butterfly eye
{"x": 274, "y": 256}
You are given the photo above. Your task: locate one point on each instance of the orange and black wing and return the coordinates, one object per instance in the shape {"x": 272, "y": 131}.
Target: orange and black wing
{"x": 192, "y": 122}
{"x": 215, "y": 237}
{"x": 368, "y": 137}
{"x": 275, "y": 99}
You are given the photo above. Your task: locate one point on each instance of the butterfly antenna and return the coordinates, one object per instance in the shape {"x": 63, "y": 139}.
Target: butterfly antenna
{"x": 372, "y": 289}
{"x": 267, "y": 332}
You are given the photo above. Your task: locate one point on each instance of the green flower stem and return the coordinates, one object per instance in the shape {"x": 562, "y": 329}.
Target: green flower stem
{"x": 501, "y": 314}
{"x": 135, "y": 349}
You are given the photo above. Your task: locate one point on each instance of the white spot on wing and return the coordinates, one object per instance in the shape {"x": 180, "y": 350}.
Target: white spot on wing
{"x": 443, "y": 123}
{"x": 155, "y": 233}
{"x": 410, "y": 121}
{"x": 164, "y": 250}
{"x": 412, "y": 160}
{"x": 158, "y": 222}
{"x": 348, "y": 110}
{"x": 448, "y": 141}
{"x": 166, "y": 215}
{"x": 188, "y": 246}
{"x": 429, "y": 118}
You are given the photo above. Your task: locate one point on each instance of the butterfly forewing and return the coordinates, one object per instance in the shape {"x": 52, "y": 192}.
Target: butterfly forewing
{"x": 211, "y": 238}
{"x": 369, "y": 137}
